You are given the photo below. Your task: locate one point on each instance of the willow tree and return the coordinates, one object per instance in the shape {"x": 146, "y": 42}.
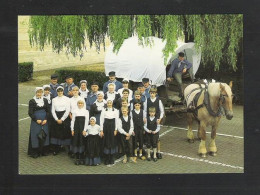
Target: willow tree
{"x": 214, "y": 35}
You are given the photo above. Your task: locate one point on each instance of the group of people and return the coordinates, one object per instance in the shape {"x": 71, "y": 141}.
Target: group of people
{"x": 96, "y": 126}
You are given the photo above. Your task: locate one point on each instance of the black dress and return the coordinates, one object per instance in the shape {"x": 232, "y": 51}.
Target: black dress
{"x": 109, "y": 140}
{"x": 77, "y": 141}
{"x": 92, "y": 146}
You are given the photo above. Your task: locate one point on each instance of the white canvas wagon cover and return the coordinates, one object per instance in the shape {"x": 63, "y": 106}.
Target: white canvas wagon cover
{"x": 134, "y": 61}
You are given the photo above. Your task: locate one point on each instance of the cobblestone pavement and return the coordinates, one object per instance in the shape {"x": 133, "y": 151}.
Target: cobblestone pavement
{"x": 179, "y": 156}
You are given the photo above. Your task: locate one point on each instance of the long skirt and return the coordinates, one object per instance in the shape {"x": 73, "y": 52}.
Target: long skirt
{"x": 61, "y": 133}
{"x": 35, "y": 129}
{"x": 77, "y": 141}
{"x": 92, "y": 147}
{"x": 109, "y": 140}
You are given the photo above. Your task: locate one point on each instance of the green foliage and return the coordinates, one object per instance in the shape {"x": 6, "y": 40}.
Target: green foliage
{"x": 25, "y": 71}
{"x": 79, "y": 75}
{"x": 120, "y": 28}
{"x": 219, "y": 37}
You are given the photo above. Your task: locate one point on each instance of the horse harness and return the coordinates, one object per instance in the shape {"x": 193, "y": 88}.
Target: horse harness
{"x": 206, "y": 102}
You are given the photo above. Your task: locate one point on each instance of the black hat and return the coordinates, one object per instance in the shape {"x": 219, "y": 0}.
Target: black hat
{"x": 69, "y": 76}
{"x": 140, "y": 84}
{"x": 112, "y": 73}
{"x": 54, "y": 76}
{"x": 94, "y": 83}
{"x": 181, "y": 54}
{"x": 145, "y": 80}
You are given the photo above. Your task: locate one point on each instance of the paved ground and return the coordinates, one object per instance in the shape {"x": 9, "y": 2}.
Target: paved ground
{"x": 179, "y": 156}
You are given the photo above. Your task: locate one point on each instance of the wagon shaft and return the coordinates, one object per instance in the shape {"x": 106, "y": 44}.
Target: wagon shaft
{"x": 176, "y": 108}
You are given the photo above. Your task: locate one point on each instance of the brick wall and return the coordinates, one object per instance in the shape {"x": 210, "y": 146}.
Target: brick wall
{"x": 48, "y": 59}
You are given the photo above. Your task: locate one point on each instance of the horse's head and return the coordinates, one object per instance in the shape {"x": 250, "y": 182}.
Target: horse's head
{"x": 226, "y": 97}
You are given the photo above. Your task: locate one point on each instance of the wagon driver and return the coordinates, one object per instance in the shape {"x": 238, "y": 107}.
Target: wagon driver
{"x": 180, "y": 66}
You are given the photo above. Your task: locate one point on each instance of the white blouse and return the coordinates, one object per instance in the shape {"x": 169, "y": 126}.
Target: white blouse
{"x": 111, "y": 95}
{"x": 93, "y": 130}
{"x": 83, "y": 94}
{"x": 48, "y": 97}
{"x": 130, "y": 96}
{"x": 147, "y": 130}
{"x": 100, "y": 105}
{"x": 109, "y": 114}
{"x": 74, "y": 103}
{"x": 60, "y": 104}
{"x": 120, "y": 125}
{"x": 80, "y": 112}
{"x": 160, "y": 106}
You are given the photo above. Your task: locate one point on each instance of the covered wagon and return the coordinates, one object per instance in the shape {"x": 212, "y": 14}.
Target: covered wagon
{"x": 135, "y": 62}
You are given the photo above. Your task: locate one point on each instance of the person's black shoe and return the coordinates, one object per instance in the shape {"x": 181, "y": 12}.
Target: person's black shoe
{"x": 159, "y": 155}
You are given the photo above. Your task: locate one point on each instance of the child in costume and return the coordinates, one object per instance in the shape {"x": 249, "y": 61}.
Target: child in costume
{"x": 139, "y": 119}
{"x": 125, "y": 128}
{"x": 79, "y": 123}
{"x": 108, "y": 124}
{"x": 152, "y": 128}
{"x": 92, "y": 145}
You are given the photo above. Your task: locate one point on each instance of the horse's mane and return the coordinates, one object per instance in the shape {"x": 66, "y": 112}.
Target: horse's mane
{"x": 214, "y": 89}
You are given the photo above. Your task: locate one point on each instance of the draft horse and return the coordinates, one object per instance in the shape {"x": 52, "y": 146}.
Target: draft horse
{"x": 206, "y": 103}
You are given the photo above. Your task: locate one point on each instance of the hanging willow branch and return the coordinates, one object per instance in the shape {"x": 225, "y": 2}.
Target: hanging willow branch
{"x": 218, "y": 37}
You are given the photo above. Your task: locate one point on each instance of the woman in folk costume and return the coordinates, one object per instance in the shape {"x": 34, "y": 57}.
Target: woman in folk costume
{"x": 112, "y": 94}
{"x": 79, "y": 123}
{"x": 38, "y": 111}
{"x": 74, "y": 106}
{"x": 83, "y": 91}
{"x": 92, "y": 145}
{"x": 98, "y": 106}
{"x": 49, "y": 96}
{"x": 61, "y": 134}
{"x": 108, "y": 124}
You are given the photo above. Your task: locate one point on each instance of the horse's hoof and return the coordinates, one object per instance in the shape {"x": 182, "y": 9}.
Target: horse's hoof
{"x": 203, "y": 155}
{"x": 212, "y": 153}
{"x": 191, "y": 140}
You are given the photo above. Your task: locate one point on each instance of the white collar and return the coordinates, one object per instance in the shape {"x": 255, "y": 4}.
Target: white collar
{"x": 39, "y": 101}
